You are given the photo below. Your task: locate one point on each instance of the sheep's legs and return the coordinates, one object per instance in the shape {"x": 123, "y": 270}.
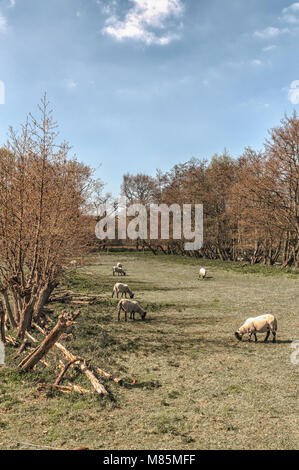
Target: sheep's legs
{"x": 267, "y": 336}
{"x": 274, "y": 336}
{"x": 255, "y": 337}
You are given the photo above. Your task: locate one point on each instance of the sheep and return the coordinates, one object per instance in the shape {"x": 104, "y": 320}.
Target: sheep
{"x": 122, "y": 289}
{"x": 119, "y": 265}
{"x": 261, "y": 324}
{"x": 118, "y": 270}
{"x": 202, "y": 273}
{"x": 131, "y": 307}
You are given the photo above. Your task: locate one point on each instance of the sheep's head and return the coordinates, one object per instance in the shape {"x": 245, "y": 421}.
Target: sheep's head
{"x": 238, "y": 336}
{"x": 132, "y": 296}
{"x": 143, "y": 315}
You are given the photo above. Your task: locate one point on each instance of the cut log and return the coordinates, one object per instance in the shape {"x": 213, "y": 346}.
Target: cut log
{"x": 99, "y": 388}
{"x": 63, "y": 322}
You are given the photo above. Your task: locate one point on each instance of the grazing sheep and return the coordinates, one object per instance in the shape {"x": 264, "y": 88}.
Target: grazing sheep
{"x": 122, "y": 289}
{"x": 202, "y": 273}
{"x": 119, "y": 265}
{"x": 131, "y": 307}
{"x": 261, "y": 324}
{"x": 118, "y": 270}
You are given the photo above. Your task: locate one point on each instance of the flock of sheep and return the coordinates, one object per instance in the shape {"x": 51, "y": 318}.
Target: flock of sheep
{"x": 128, "y": 306}
{"x": 261, "y": 324}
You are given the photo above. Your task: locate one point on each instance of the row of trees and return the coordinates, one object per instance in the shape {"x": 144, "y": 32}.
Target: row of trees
{"x": 251, "y": 204}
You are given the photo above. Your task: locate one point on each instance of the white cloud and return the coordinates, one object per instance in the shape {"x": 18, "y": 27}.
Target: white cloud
{"x": 291, "y": 13}
{"x": 145, "y": 20}
{"x": 294, "y": 92}
{"x": 269, "y": 48}
{"x": 3, "y": 24}
{"x": 256, "y": 62}
{"x": 269, "y": 32}
{"x": 70, "y": 84}
{"x": 12, "y": 3}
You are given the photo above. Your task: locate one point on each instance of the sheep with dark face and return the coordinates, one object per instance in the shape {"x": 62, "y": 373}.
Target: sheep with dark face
{"x": 261, "y": 324}
{"x": 131, "y": 307}
{"x": 122, "y": 289}
{"x": 119, "y": 265}
{"x": 118, "y": 270}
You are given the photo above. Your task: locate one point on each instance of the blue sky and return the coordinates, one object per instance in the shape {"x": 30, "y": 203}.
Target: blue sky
{"x": 143, "y": 84}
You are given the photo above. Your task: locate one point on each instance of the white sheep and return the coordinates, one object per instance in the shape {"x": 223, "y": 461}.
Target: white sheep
{"x": 118, "y": 270}
{"x": 122, "y": 289}
{"x": 131, "y": 307}
{"x": 119, "y": 265}
{"x": 202, "y": 273}
{"x": 261, "y": 324}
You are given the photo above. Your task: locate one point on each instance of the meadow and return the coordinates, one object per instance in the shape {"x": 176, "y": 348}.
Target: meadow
{"x": 187, "y": 382}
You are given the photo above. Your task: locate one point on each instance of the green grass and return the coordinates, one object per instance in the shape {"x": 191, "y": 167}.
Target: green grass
{"x": 188, "y": 384}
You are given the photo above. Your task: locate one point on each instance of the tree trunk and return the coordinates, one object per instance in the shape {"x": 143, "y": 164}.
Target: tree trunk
{"x": 2, "y": 324}
{"x": 8, "y": 309}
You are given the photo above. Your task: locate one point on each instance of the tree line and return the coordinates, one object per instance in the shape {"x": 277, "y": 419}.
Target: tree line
{"x": 250, "y": 203}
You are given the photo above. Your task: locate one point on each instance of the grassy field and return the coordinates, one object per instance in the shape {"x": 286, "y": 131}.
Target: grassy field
{"x": 188, "y": 383}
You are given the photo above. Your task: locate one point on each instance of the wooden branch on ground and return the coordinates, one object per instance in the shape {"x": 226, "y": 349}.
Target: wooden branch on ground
{"x": 29, "y": 336}
{"x": 64, "y": 321}
{"x": 99, "y": 388}
{"x": 63, "y": 388}
{"x": 62, "y": 373}
{"x": 21, "y": 349}
{"x": 108, "y": 376}
{"x": 11, "y": 340}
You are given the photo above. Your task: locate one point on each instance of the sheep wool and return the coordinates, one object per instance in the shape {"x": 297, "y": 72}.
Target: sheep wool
{"x": 122, "y": 289}
{"x": 261, "y": 324}
{"x": 131, "y": 307}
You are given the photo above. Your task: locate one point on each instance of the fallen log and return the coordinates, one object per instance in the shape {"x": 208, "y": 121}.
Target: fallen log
{"x": 30, "y": 361}
{"x": 99, "y": 388}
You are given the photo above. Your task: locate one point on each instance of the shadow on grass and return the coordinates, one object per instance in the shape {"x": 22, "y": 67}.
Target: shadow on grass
{"x": 148, "y": 385}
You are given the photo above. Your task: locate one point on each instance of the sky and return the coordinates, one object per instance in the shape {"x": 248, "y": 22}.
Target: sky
{"x": 137, "y": 85}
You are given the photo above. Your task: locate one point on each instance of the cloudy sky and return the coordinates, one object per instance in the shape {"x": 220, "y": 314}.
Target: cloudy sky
{"x": 143, "y": 84}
